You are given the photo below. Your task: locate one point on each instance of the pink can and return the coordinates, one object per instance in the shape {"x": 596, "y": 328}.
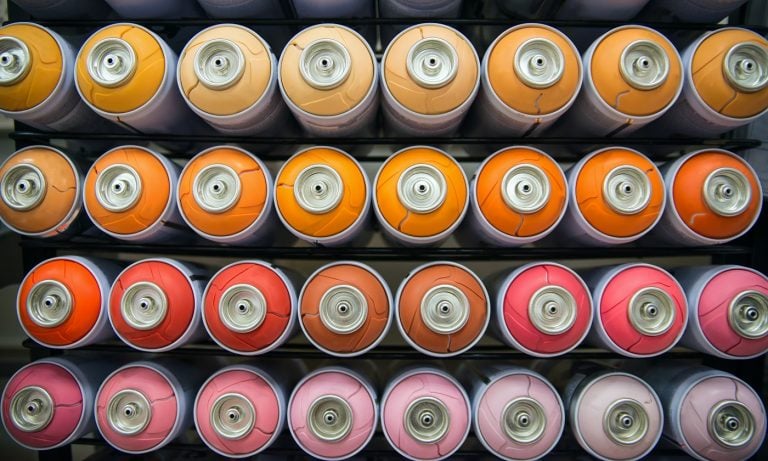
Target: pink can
{"x": 425, "y": 414}
{"x": 332, "y": 413}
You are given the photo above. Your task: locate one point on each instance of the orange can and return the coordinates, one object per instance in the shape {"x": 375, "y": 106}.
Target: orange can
{"x": 322, "y": 195}
{"x": 62, "y": 302}
{"x": 443, "y": 309}
{"x": 714, "y": 197}
{"x": 41, "y": 192}
{"x": 617, "y": 196}
{"x": 328, "y": 79}
{"x": 130, "y": 194}
{"x": 345, "y": 308}
{"x": 530, "y": 94}
{"x": 421, "y": 196}
{"x": 632, "y": 76}
{"x": 726, "y": 84}
{"x": 225, "y": 195}
{"x": 518, "y": 195}
{"x": 430, "y": 74}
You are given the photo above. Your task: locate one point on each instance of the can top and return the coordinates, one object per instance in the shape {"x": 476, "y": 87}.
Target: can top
{"x": 636, "y": 71}
{"x": 711, "y": 212}
{"x": 430, "y": 69}
{"x": 39, "y": 187}
{"x": 327, "y": 70}
{"x": 223, "y": 191}
{"x": 225, "y": 69}
{"x": 120, "y": 68}
{"x": 127, "y": 190}
{"x": 431, "y": 191}
{"x": 729, "y": 70}
{"x": 31, "y": 66}
{"x": 321, "y": 192}
{"x": 534, "y": 69}
{"x": 539, "y": 187}
{"x": 620, "y": 192}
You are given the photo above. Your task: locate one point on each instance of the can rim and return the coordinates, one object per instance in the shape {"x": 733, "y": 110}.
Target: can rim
{"x": 731, "y": 72}
{"x": 221, "y": 65}
{"x": 22, "y": 58}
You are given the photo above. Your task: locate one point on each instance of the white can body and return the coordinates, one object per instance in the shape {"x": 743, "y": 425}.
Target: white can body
{"x": 242, "y": 9}
{"x": 615, "y": 10}
{"x": 64, "y": 9}
{"x": 152, "y": 9}
{"x": 702, "y": 11}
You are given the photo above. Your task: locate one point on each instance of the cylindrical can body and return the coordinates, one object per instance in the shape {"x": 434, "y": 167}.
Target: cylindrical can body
{"x": 425, "y": 414}
{"x": 420, "y": 196}
{"x": 130, "y": 194}
{"x": 37, "y": 83}
{"x": 239, "y": 411}
{"x": 414, "y": 9}
{"x": 332, "y": 413}
{"x": 713, "y": 197}
{"x": 639, "y": 310}
{"x": 518, "y": 195}
{"x": 41, "y": 192}
{"x": 155, "y": 304}
{"x": 613, "y": 415}
{"x": 430, "y": 74}
{"x": 358, "y": 9}
{"x": 225, "y": 195}
{"x": 616, "y": 196}
{"x": 529, "y": 95}
{"x": 543, "y": 309}
{"x": 242, "y": 8}
{"x": 151, "y": 9}
{"x": 126, "y": 73}
{"x": 249, "y": 307}
{"x": 726, "y": 84}
{"x": 328, "y": 78}
{"x": 143, "y": 406}
{"x": 621, "y": 10}
{"x": 345, "y": 308}
{"x": 727, "y": 310}
{"x": 227, "y": 74}
{"x": 702, "y": 11}
{"x": 62, "y": 302}
{"x": 632, "y": 75}
{"x": 323, "y": 196}
{"x": 443, "y": 309}
{"x": 710, "y": 414}
{"x": 517, "y": 414}
{"x": 49, "y": 403}
{"x": 64, "y": 9}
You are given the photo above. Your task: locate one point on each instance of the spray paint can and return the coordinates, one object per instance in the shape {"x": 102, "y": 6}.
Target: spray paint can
{"x": 726, "y": 84}
{"x": 62, "y": 302}
{"x": 518, "y": 195}
{"x": 126, "y": 73}
{"x": 529, "y": 96}
{"x": 425, "y": 414}
{"x": 727, "y": 310}
{"x": 543, "y": 309}
{"x": 143, "y": 406}
{"x": 414, "y": 9}
{"x": 640, "y": 310}
{"x": 359, "y": 9}
{"x": 239, "y": 411}
{"x": 150, "y": 9}
{"x": 249, "y": 307}
{"x": 714, "y": 197}
{"x": 49, "y": 403}
{"x": 443, "y": 309}
{"x": 37, "y": 85}
{"x": 130, "y": 194}
{"x": 617, "y": 196}
{"x": 632, "y": 75}
{"x": 64, "y": 9}
{"x": 155, "y": 304}
{"x": 710, "y": 414}
{"x": 421, "y": 196}
{"x": 430, "y": 74}
{"x": 322, "y": 196}
{"x": 225, "y": 195}
{"x": 345, "y": 308}
{"x": 328, "y": 79}
{"x": 242, "y": 8}
{"x": 227, "y": 75}
{"x": 622, "y": 10}
{"x": 517, "y": 413}
{"x": 332, "y": 413}
{"x": 701, "y": 11}
{"x": 613, "y": 415}
{"x": 41, "y": 192}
